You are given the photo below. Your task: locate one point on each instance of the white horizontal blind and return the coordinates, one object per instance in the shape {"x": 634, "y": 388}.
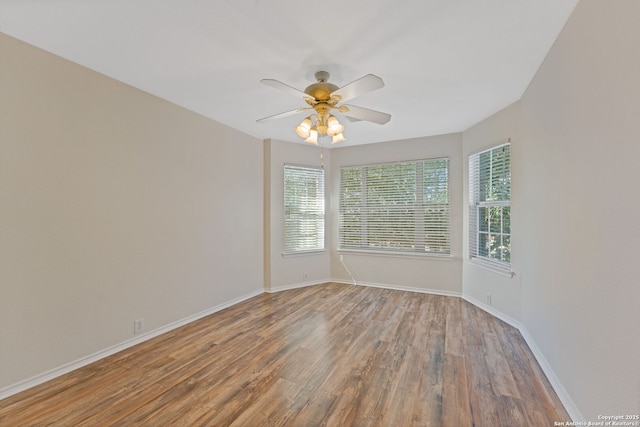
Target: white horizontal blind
{"x": 490, "y": 207}
{"x": 396, "y": 207}
{"x": 303, "y": 209}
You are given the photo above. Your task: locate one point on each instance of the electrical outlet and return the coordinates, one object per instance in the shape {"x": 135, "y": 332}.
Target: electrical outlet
{"x": 487, "y": 299}
{"x": 138, "y": 326}
{"x": 304, "y": 276}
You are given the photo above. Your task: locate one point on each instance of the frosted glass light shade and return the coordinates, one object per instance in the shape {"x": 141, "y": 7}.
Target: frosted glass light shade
{"x": 334, "y": 126}
{"x": 304, "y": 128}
{"x": 313, "y": 137}
{"x": 338, "y": 138}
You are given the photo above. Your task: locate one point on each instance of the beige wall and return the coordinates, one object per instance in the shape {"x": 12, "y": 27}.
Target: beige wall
{"x": 290, "y": 271}
{"x": 579, "y": 133}
{"x": 478, "y": 282}
{"x": 414, "y": 273}
{"x": 114, "y": 206}
{"x": 401, "y": 272}
{"x": 576, "y": 210}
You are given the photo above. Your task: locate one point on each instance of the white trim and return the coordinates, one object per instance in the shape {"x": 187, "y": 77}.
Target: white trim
{"x": 303, "y": 253}
{"x": 391, "y": 254}
{"x": 274, "y": 289}
{"x": 494, "y": 267}
{"x": 499, "y": 144}
{"x": 475, "y": 203}
{"x": 86, "y": 360}
{"x": 367, "y": 284}
{"x": 556, "y": 384}
{"x": 492, "y": 311}
{"x": 343, "y": 282}
{"x": 311, "y": 208}
{"x": 400, "y": 288}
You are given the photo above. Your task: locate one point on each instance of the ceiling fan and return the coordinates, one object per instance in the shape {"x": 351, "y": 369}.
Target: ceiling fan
{"x": 322, "y": 97}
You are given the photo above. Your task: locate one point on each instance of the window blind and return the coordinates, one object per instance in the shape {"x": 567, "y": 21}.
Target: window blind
{"x": 396, "y": 207}
{"x": 303, "y": 209}
{"x": 490, "y": 207}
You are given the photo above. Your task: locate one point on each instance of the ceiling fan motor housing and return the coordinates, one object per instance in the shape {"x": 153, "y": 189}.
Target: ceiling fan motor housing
{"x": 322, "y": 89}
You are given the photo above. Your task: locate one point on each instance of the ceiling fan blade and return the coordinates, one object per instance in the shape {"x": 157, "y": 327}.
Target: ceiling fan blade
{"x": 282, "y": 115}
{"x": 360, "y": 113}
{"x": 359, "y": 87}
{"x": 285, "y": 88}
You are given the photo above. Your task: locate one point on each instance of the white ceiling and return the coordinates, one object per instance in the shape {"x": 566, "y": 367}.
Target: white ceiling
{"x": 447, "y": 64}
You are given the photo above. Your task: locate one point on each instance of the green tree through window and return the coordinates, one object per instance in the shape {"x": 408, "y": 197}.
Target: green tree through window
{"x": 490, "y": 206}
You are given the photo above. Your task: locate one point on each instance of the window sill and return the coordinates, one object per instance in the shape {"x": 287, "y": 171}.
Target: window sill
{"x": 490, "y": 266}
{"x": 435, "y": 257}
{"x": 303, "y": 253}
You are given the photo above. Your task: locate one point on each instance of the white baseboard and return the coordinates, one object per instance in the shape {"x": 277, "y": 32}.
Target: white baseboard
{"x": 84, "y": 361}
{"x": 368, "y": 284}
{"x": 274, "y": 289}
{"x": 492, "y": 311}
{"x": 563, "y": 395}
{"x": 558, "y": 387}
{"x": 400, "y": 288}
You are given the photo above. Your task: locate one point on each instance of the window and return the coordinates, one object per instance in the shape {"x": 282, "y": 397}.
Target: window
{"x": 303, "y": 209}
{"x": 490, "y": 207}
{"x": 396, "y": 207}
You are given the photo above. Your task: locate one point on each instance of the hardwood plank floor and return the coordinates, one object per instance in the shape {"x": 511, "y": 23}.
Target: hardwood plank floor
{"x": 327, "y": 355}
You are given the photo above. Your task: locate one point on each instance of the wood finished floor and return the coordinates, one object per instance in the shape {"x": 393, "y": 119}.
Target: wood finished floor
{"x": 327, "y": 355}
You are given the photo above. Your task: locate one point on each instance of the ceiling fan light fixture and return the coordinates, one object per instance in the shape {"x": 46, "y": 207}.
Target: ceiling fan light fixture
{"x": 313, "y": 136}
{"x": 334, "y": 126}
{"x": 304, "y": 128}
{"x": 322, "y": 129}
{"x": 321, "y": 97}
{"x": 338, "y": 138}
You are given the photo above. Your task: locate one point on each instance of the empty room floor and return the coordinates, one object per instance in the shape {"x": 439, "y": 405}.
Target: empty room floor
{"x": 330, "y": 355}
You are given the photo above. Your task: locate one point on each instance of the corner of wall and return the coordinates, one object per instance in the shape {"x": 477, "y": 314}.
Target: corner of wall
{"x": 267, "y": 213}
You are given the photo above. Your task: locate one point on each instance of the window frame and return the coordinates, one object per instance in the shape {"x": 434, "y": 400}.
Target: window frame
{"x": 320, "y": 220}
{"x": 366, "y": 212}
{"x": 476, "y": 204}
